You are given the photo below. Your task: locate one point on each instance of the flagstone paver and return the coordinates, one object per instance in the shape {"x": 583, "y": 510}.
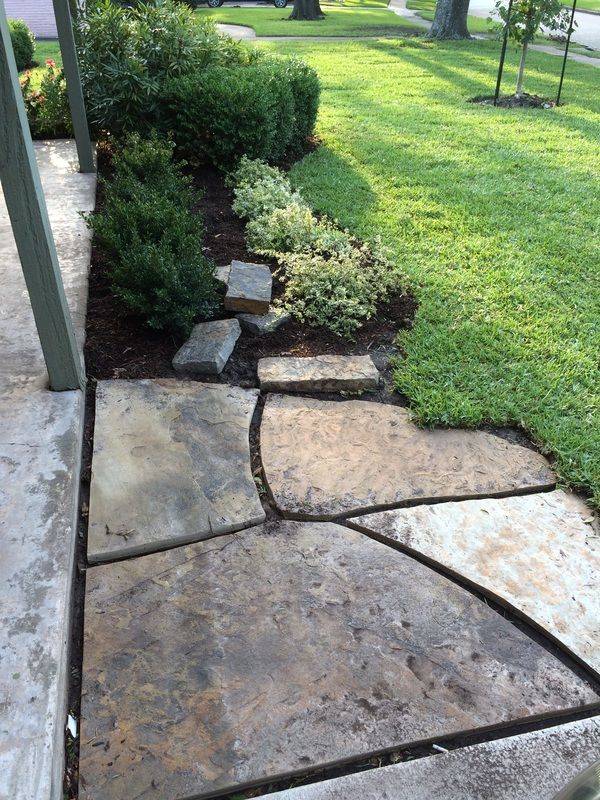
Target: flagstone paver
{"x": 208, "y": 348}
{"x": 534, "y": 552}
{"x": 286, "y": 647}
{"x": 323, "y": 458}
{"x": 325, "y": 373}
{"x": 249, "y": 288}
{"x": 532, "y": 766}
{"x": 266, "y": 323}
{"x": 171, "y": 464}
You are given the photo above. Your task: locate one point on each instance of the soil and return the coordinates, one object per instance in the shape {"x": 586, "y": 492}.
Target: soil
{"x": 119, "y": 345}
{"x": 512, "y": 101}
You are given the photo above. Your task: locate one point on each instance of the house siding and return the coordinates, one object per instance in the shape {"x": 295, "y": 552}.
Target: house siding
{"x": 38, "y": 14}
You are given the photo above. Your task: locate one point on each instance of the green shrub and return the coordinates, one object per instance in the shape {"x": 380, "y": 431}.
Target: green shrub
{"x": 330, "y": 279}
{"x": 340, "y": 292}
{"x": 127, "y": 54}
{"x": 222, "y": 113}
{"x": 306, "y": 90}
{"x": 153, "y": 240}
{"x": 23, "y": 43}
{"x": 47, "y": 108}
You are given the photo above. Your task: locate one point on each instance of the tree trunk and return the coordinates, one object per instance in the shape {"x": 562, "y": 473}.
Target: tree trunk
{"x": 450, "y": 20}
{"x": 519, "y": 89}
{"x": 307, "y": 9}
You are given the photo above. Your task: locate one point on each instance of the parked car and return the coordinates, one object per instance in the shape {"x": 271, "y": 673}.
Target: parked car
{"x": 219, "y": 3}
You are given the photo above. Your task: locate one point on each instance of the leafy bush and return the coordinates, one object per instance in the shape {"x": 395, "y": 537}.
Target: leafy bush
{"x": 127, "y": 54}
{"x": 153, "y": 240}
{"x": 259, "y": 189}
{"x": 339, "y": 292}
{"x": 23, "y": 42}
{"x": 47, "y": 108}
{"x": 306, "y": 90}
{"x": 222, "y": 113}
{"x": 330, "y": 278}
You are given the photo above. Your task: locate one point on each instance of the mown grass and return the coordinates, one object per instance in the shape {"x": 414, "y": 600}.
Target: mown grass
{"x": 494, "y": 215}
{"x": 339, "y": 21}
{"x": 587, "y": 5}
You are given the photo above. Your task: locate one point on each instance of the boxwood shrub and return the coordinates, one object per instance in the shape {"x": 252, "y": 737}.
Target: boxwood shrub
{"x": 152, "y": 238}
{"x": 23, "y": 42}
{"x": 222, "y": 113}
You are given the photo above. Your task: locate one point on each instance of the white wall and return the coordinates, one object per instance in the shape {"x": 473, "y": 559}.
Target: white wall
{"x": 38, "y": 14}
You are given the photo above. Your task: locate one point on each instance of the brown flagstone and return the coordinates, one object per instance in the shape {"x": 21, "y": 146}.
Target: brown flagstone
{"x": 324, "y": 459}
{"x": 285, "y": 648}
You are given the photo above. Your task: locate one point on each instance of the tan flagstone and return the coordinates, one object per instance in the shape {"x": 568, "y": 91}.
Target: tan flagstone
{"x": 171, "y": 464}
{"x": 324, "y": 458}
{"x": 536, "y": 553}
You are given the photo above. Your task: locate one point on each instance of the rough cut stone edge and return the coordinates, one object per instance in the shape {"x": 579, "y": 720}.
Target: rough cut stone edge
{"x": 532, "y": 765}
{"x": 317, "y": 384}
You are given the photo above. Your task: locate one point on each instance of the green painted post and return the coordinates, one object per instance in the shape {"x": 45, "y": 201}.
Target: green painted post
{"x": 29, "y": 217}
{"x": 64, "y": 26}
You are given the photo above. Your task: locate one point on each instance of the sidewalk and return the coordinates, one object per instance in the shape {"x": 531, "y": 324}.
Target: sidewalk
{"x": 40, "y": 448}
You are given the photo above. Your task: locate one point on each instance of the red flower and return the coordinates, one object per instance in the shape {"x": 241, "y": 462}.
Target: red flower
{"x": 50, "y": 62}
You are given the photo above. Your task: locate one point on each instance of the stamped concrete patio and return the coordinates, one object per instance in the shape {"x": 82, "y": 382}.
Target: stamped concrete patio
{"x": 222, "y": 652}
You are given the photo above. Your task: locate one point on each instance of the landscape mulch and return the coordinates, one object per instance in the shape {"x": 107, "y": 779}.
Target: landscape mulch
{"x": 120, "y": 345}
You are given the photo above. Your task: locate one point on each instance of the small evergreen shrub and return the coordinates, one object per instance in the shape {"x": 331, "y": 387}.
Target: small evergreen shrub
{"x": 23, "y": 43}
{"x": 47, "y": 108}
{"x": 306, "y": 90}
{"x": 153, "y": 239}
{"x": 330, "y": 278}
{"x": 222, "y": 113}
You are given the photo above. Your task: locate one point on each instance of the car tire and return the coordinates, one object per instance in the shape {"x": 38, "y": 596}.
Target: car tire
{"x": 280, "y": 3}
{"x": 215, "y": 3}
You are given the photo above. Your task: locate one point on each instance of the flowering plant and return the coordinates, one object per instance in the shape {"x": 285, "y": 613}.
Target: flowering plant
{"x": 47, "y": 105}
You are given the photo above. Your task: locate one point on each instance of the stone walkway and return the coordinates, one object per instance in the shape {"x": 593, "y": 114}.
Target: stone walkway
{"x": 267, "y": 647}
{"x": 40, "y": 450}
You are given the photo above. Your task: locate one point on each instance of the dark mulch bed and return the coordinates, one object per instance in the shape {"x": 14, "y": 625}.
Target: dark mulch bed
{"x": 512, "y": 101}
{"x": 119, "y": 345}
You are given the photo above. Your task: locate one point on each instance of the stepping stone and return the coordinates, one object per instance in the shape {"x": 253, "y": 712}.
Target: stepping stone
{"x": 207, "y": 350}
{"x": 535, "y": 553}
{"x": 286, "y": 648}
{"x": 249, "y": 288}
{"x": 260, "y": 325}
{"x": 318, "y": 374}
{"x": 324, "y": 458}
{"x": 222, "y": 276}
{"x": 171, "y": 464}
{"x": 532, "y": 765}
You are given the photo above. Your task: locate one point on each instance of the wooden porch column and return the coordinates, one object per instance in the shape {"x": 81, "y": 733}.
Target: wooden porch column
{"x": 29, "y": 218}
{"x": 64, "y": 26}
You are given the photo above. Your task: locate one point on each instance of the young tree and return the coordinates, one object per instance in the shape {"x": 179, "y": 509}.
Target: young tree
{"x": 450, "y": 20}
{"x": 307, "y": 9}
{"x": 526, "y": 19}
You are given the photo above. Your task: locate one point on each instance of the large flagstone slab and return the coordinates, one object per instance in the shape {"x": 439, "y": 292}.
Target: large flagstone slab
{"x": 532, "y": 766}
{"x": 285, "y": 648}
{"x": 535, "y": 552}
{"x": 171, "y": 464}
{"x": 324, "y": 459}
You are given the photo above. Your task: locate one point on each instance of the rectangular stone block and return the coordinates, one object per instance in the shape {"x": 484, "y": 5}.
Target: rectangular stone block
{"x": 249, "y": 288}
{"x": 318, "y": 374}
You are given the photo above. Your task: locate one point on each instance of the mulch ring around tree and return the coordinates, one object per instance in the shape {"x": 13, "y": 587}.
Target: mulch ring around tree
{"x": 512, "y": 101}
{"x": 119, "y": 344}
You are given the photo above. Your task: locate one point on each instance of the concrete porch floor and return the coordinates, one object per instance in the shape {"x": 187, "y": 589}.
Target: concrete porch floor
{"x": 40, "y": 448}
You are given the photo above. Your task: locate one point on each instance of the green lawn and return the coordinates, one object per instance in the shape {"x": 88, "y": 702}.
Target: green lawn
{"x": 589, "y": 5}
{"x": 339, "y": 21}
{"x": 426, "y": 9}
{"x": 495, "y": 216}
